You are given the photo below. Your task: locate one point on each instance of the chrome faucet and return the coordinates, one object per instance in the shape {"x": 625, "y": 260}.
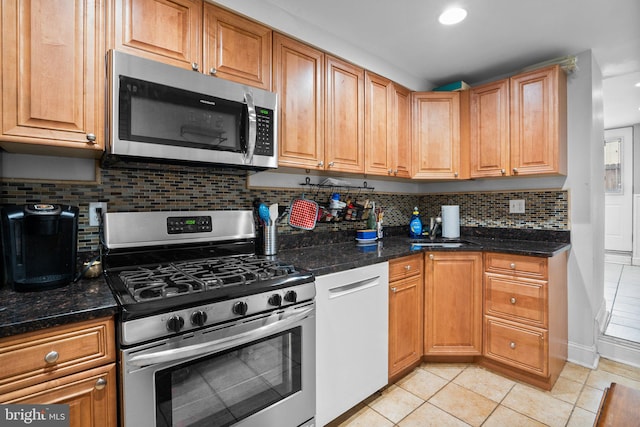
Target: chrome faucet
{"x": 434, "y": 224}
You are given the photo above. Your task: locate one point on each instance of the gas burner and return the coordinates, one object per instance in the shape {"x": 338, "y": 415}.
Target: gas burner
{"x": 164, "y": 281}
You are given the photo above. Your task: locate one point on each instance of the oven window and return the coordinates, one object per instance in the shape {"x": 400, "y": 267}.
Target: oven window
{"x": 222, "y": 389}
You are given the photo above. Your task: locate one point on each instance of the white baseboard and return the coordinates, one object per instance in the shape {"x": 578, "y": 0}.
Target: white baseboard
{"x": 618, "y": 258}
{"x": 586, "y": 356}
{"x": 619, "y": 350}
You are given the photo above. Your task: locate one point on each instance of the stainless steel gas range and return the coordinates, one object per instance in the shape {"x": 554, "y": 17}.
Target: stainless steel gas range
{"x": 209, "y": 333}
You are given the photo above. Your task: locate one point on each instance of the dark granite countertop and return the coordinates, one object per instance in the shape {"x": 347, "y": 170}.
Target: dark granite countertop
{"x": 330, "y": 258}
{"x": 22, "y": 312}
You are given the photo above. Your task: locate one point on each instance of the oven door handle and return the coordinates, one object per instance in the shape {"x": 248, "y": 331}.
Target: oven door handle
{"x": 195, "y": 350}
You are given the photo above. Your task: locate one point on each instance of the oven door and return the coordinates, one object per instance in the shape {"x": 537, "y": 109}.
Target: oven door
{"x": 256, "y": 372}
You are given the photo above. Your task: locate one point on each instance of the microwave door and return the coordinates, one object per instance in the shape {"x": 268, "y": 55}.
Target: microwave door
{"x": 251, "y": 116}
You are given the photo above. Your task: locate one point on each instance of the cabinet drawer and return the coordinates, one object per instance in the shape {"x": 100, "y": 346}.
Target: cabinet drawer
{"x": 68, "y": 349}
{"x": 516, "y": 345}
{"x": 521, "y": 265}
{"x": 518, "y": 300}
{"x": 405, "y": 267}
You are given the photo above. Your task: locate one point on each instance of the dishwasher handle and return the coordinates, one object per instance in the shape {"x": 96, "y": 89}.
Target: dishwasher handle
{"x": 350, "y": 288}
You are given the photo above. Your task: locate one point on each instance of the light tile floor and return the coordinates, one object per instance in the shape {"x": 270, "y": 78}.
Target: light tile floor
{"x": 466, "y": 395}
{"x": 622, "y": 296}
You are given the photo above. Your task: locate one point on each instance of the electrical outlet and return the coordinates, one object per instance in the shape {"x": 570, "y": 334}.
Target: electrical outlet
{"x": 94, "y": 218}
{"x": 516, "y": 206}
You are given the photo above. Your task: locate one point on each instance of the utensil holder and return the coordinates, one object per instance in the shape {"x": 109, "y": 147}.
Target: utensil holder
{"x": 270, "y": 239}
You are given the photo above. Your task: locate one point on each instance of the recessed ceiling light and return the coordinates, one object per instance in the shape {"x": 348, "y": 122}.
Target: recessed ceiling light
{"x": 452, "y": 16}
{"x": 638, "y": 84}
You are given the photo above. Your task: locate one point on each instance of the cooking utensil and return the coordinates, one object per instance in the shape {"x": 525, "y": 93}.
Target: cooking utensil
{"x": 263, "y": 212}
{"x": 273, "y": 212}
{"x": 303, "y": 213}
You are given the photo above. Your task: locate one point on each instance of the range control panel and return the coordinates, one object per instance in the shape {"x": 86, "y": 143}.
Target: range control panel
{"x": 188, "y": 224}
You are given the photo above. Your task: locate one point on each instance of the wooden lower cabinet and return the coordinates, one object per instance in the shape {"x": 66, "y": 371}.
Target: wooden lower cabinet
{"x": 72, "y": 364}
{"x": 453, "y": 304}
{"x": 405, "y": 313}
{"x": 525, "y": 316}
{"x": 91, "y": 396}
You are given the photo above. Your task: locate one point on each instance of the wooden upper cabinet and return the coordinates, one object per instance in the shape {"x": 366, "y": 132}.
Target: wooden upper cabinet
{"x": 168, "y": 31}
{"x": 489, "y": 129}
{"x": 236, "y": 48}
{"x": 52, "y": 61}
{"x": 401, "y": 132}
{"x": 387, "y": 127}
{"x": 299, "y": 83}
{"x": 539, "y": 122}
{"x": 344, "y": 121}
{"x": 440, "y": 137}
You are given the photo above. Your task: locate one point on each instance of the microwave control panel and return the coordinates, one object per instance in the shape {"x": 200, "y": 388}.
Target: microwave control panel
{"x": 264, "y": 131}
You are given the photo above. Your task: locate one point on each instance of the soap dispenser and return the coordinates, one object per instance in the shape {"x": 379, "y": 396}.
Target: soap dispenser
{"x": 415, "y": 224}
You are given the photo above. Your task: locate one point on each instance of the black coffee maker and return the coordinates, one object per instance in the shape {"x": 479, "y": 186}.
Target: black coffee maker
{"x": 39, "y": 245}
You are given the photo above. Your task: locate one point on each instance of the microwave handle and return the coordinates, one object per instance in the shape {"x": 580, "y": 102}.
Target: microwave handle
{"x": 251, "y": 142}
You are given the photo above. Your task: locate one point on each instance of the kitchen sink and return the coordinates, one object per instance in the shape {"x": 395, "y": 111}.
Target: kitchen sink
{"x": 440, "y": 243}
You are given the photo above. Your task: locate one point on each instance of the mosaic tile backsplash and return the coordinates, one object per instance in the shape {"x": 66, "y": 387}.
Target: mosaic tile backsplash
{"x": 144, "y": 190}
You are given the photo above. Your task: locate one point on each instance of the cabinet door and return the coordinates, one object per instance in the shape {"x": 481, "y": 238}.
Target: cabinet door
{"x": 436, "y": 137}
{"x": 453, "y": 303}
{"x": 168, "y": 31}
{"x": 53, "y": 76}
{"x": 400, "y": 161}
{"x": 538, "y": 122}
{"x": 299, "y": 82}
{"x": 405, "y": 323}
{"x": 91, "y": 396}
{"x": 344, "y": 125}
{"x": 377, "y": 130}
{"x": 236, "y": 48}
{"x": 489, "y": 130}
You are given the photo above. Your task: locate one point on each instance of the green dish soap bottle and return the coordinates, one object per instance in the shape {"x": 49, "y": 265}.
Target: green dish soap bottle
{"x": 415, "y": 224}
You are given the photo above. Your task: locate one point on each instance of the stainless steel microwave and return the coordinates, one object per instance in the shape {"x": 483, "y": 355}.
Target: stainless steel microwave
{"x": 158, "y": 112}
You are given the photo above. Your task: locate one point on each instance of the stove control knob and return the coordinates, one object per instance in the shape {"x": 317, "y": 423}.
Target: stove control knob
{"x": 275, "y": 300}
{"x": 198, "y": 318}
{"x": 240, "y": 308}
{"x": 175, "y": 323}
{"x": 291, "y": 296}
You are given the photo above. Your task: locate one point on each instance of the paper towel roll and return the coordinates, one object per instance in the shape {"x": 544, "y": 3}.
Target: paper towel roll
{"x": 451, "y": 221}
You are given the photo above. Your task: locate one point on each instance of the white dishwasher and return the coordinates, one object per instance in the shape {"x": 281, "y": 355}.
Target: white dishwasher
{"x": 352, "y": 334}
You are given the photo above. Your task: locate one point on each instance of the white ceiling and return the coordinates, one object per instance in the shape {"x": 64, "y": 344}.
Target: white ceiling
{"x": 498, "y": 37}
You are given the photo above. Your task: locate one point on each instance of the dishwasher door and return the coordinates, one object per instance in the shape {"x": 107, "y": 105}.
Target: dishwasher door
{"x": 352, "y": 335}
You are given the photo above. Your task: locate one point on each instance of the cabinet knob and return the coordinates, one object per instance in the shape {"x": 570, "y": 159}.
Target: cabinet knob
{"x": 512, "y": 345}
{"x": 515, "y": 170}
{"x": 389, "y": 171}
{"x": 100, "y": 384}
{"x": 503, "y": 171}
{"x": 320, "y": 164}
{"x": 195, "y": 66}
{"x": 331, "y": 164}
{"x": 455, "y": 174}
{"x": 395, "y": 171}
{"x": 51, "y": 357}
{"x": 213, "y": 71}
{"x": 407, "y": 267}
{"x": 394, "y": 290}
{"x": 513, "y": 265}
{"x": 91, "y": 137}
{"x": 431, "y": 256}
{"x": 512, "y": 300}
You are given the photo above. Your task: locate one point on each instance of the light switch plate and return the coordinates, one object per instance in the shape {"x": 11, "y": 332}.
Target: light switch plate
{"x": 516, "y": 206}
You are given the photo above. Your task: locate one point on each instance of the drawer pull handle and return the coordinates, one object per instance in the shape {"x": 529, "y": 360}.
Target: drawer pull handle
{"x": 51, "y": 357}
{"x": 101, "y": 384}
{"x": 394, "y": 290}
{"x": 407, "y": 267}
{"x": 512, "y": 345}
{"x": 512, "y": 300}
{"x": 513, "y": 265}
